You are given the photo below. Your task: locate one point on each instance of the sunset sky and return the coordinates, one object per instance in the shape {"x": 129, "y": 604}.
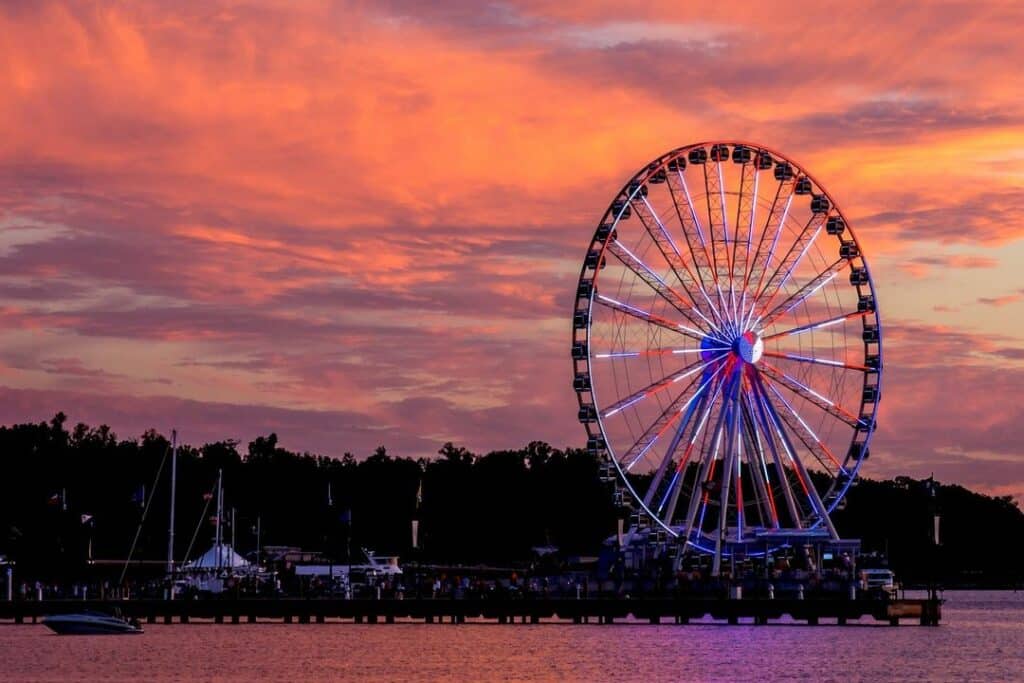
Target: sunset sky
{"x": 361, "y": 223}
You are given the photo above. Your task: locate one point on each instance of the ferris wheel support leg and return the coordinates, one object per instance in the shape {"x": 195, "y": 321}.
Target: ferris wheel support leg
{"x": 729, "y": 478}
{"x": 710, "y": 457}
{"x": 812, "y": 492}
{"x": 787, "y": 489}
{"x": 672, "y": 495}
{"x": 728, "y": 469}
{"x": 758, "y": 464}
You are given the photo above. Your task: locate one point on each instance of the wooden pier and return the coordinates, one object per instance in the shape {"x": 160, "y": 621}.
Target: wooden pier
{"x": 926, "y": 612}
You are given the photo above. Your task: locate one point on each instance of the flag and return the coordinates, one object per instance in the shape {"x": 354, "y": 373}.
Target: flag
{"x": 86, "y": 519}
{"x": 208, "y": 496}
{"x": 53, "y": 500}
{"x": 419, "y": 494}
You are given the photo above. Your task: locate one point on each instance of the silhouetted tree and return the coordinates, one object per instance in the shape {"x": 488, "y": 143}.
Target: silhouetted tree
{"x": 475, "y": 508}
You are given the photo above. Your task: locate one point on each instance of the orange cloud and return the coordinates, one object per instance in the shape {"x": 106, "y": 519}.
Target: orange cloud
{"x": 376, "y": 212}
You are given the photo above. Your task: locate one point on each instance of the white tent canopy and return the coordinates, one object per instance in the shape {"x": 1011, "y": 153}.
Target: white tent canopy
{"x": 229, "y": 559}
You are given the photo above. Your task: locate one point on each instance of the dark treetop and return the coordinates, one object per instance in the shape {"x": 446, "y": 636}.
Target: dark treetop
{"x": 472, "y": 509}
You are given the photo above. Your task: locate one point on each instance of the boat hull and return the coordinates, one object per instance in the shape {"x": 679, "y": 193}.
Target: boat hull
{"x": 75, "y": 625}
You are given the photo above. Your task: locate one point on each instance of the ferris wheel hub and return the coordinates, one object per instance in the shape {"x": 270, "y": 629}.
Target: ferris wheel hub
{"x": 749, "y": 346}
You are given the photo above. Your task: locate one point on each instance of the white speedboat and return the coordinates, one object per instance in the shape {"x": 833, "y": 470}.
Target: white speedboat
{"x": 90, "y": 623}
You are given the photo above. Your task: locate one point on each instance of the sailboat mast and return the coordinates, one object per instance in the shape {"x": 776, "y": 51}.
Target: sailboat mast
{"x": 174, "y": 484}
{"x": 220, "y": 513}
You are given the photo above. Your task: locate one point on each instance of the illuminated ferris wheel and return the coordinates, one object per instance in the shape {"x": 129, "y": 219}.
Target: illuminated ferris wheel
{"x": 727, "y": 348}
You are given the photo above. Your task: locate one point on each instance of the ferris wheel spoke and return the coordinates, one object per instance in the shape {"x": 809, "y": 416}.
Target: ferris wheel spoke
{"x": 820, "y": 361}
{"x": 773, "y": 226}
{"x": 810, "y": 395}
{"x": 746, "y": 215}
{"x": 695, "y": 239}
{"x": 812, "y": 286}
{"x": 671, "y": 494}
{"x": 703, "y": 257}
{"x": 815, "y": 445}
{"x": 792, "y": 259}
{"x": 717, "y": 328}
{"x": 718, "y": 221}
{"x": 668, "y": 248}
{"x": 816, "y": 325}
{"x": 680, "y": 469}
{"x": 690, "y": 409}
{"x": 653, "y": 280}
{"x": 657, "y": 428}
{"x": 615, "y": 355}
{"x": 817, "y": 506}
{"x": 658, "y": 386}
{"x": 714, "y": 186}
{"x": 649, "y": 318}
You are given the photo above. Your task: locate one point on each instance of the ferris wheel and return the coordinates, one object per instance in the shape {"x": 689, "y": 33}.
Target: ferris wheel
{"x": 727, "y": 348}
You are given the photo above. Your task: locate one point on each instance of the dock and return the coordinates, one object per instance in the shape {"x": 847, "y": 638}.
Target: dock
{"x": 601, "y": 610}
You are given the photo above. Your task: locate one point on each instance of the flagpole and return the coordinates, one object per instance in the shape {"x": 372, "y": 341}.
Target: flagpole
{"x": 170, "y": 532}
{"x": 220, "y": 511}
{"x": 329, "y": 549}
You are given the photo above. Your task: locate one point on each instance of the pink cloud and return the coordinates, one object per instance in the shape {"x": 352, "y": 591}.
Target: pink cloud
{"x": 1003, "y": 300}
{"x": 362, "y": 224}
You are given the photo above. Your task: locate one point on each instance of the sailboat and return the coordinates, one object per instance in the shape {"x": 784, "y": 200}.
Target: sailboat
{"x": 207, "y": 574}
{"x": 99, "y": 623}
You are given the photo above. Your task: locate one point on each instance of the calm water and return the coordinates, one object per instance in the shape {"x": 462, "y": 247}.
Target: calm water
{"x": 981, "y": 638}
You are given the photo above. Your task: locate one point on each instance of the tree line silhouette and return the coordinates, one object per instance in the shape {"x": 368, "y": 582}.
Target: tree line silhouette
{"x": 65, "y": 492}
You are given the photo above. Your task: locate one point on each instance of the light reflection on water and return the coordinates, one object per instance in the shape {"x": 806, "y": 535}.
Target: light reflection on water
{"x": 981, "y": 637}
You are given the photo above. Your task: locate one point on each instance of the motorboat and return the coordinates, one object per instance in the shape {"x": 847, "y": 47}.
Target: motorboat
{"x": 90, "y": 623}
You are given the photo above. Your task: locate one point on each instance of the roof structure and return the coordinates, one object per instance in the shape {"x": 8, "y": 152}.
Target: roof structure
{"x": 229, "y": 559}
